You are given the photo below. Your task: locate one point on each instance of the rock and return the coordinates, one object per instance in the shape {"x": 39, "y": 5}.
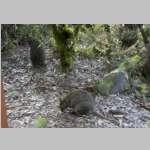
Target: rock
{"x": 113, "y": 83}
{"x": 121, "y": 83}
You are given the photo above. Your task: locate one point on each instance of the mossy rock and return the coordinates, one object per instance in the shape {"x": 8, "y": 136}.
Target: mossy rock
{"x": 130, "y": 63}
{"x": 113, "y": 83}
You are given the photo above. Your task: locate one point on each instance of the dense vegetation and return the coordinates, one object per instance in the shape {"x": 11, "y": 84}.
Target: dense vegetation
{"x": 108, "y": 41}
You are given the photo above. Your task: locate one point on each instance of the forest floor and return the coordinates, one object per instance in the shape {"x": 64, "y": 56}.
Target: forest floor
{"x": 29, "y": 93}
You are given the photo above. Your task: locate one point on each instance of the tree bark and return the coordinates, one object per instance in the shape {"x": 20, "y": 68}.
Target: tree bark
{"x": 4, "y": 121}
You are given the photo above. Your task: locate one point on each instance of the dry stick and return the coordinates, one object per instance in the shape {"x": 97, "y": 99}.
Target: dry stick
{"x": 4, "y": 119}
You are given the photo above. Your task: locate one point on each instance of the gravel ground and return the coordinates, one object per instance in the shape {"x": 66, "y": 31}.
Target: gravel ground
{"x": 29, "y": 93}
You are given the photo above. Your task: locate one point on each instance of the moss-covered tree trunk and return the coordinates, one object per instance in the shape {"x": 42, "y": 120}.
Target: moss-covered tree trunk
{"x": 65, "y": 37}
{"x": 146, "y": 39}
{"x": 146, "y": 67}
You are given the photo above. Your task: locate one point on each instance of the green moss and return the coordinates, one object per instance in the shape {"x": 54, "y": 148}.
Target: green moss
{"x": 65, "y": 40}
{"x": 40, "y": 122}
{"x": 87, "y": 53}
{"x": 131, "y": 63}
{"x": 113, "y": 82}
{"x": 144, "y": 89}
{"x": 104, "y": 86}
